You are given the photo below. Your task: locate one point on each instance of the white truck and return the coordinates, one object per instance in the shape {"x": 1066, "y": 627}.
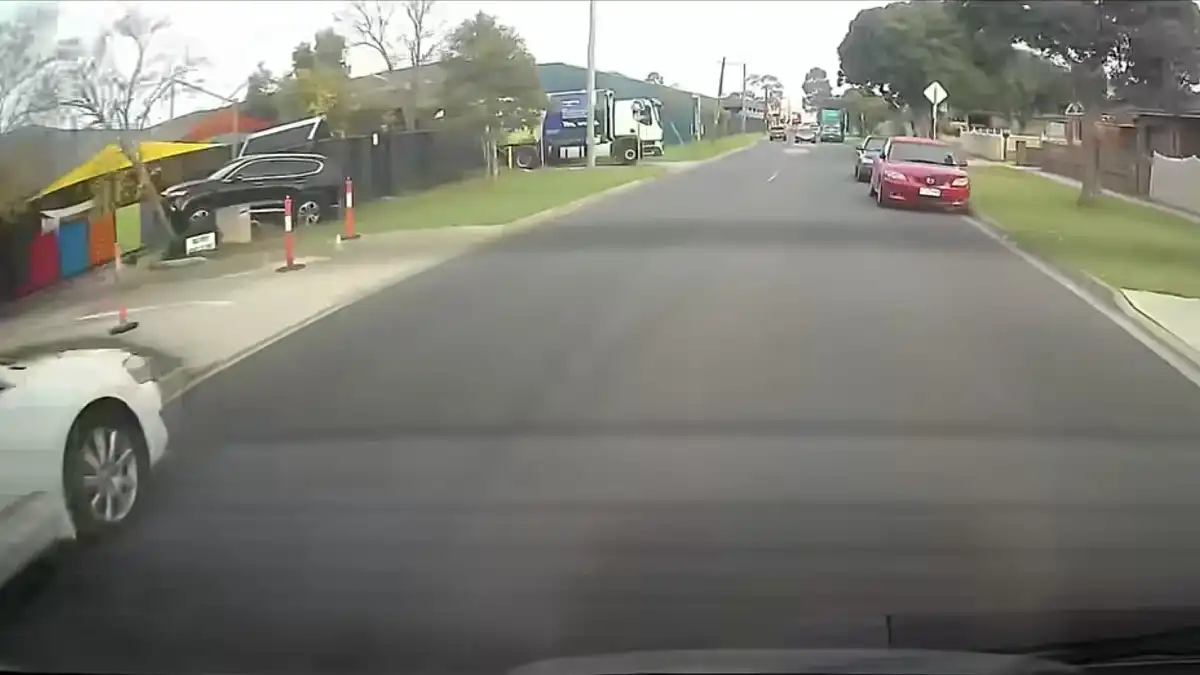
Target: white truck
{"x": 626, "y": 130}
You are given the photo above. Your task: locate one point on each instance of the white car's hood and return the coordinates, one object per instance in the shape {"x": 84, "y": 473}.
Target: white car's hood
{"x": 17, "y": 371}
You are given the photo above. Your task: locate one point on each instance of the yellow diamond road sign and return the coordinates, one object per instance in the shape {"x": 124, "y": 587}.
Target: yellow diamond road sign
{"x": 935, "y": 93}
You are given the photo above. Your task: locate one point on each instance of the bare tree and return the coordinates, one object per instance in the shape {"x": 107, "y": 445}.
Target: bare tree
{"x": 123, "y": 100}
{"x": 421, "y": 42}
{"x": 30, "y": 63}
{"x": 372, "y": 25}
{"x": 422, "y": 38}
{"x": 29, "y": 70}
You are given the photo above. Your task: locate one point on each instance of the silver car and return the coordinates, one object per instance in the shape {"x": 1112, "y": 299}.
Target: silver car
{"x": 806, "y": 133}
{"x": 868, "y": 150}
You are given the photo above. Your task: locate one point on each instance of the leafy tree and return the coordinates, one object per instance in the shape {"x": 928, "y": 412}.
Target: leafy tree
{"x": 817, "y": 89}
{"x": 1035, "y": 85}
{"x": 491, "y": 79}
{"x": 766, "y": 88}
{"x": 895, "y": 51}
{"x": 655, "y": 77}
{"x": 1145, "y": 52}
{"x": 105, "y": 96}
{"x": 319, "y": 80}
{"x": 865, "y": 110}
{"x": 327, "y": 51}
{"x": 260, "y": 101}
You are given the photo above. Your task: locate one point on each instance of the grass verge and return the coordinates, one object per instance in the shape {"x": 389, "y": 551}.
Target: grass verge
{"x": 1125, "y": 245}
{"x": 698, "y": 150}
{"x": 511, "y": 196}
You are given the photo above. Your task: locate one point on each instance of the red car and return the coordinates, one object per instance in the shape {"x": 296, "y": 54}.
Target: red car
{"x": 920, "y": 172}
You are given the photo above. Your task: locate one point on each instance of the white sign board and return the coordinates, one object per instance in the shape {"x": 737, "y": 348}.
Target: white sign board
{"x": 200, "y": 242}
{"x": 1075, "y": 108}
{"x": 935, "y": 93}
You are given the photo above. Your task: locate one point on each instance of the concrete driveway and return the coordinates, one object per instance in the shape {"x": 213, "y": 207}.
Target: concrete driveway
{"x": 741, "y": 407}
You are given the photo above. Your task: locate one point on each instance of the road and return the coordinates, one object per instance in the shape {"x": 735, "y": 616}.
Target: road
{"x": 721, "y": 412}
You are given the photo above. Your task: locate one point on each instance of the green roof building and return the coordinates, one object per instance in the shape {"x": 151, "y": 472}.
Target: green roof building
{"x": 679, "y": 107}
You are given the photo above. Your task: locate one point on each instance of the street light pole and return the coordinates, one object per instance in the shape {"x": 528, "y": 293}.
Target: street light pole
{"x": 590, "y": 148}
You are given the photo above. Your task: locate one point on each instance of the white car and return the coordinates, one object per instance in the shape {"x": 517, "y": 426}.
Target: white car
{"x": 80, "y": 431}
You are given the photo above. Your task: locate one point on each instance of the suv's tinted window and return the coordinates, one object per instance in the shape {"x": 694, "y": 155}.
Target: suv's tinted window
{"x": 293, "y": 167}
{"x": 270, "y": 168}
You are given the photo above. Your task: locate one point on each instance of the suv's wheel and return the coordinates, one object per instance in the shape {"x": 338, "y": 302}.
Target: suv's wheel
{"x": 308, "y": 210}
{"x": 105, "y": 465}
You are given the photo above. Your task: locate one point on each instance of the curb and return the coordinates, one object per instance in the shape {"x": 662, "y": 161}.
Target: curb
{"x": 696, "y": 163}
{"x": 1107, "y": 300}
{"x": 1160, "y": 332}
{"x": 178, "y": 382}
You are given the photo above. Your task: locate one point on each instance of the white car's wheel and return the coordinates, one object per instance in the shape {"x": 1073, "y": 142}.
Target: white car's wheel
{"x": 104, "y": 470}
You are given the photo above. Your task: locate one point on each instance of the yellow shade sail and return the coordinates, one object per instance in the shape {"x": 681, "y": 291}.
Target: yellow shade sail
{"x": 111, "y": 159}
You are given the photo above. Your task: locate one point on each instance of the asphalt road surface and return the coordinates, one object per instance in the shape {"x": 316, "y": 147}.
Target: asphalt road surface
{"x": 739, "y": 408}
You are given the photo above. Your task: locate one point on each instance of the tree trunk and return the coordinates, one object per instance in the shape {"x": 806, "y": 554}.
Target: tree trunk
{"x": 1089, "y": 177}
{"x": 146, "y": 187}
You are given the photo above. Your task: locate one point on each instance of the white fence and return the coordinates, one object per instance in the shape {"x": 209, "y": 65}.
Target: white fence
{"x": 992, "y": 144}
{"x": 1174, "y": 181}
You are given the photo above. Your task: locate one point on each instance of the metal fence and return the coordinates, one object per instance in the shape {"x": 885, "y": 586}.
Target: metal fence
{"x": 385, "y": 164}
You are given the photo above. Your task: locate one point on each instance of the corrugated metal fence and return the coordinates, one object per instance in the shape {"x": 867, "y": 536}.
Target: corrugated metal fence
{"x": 386, "y": 164}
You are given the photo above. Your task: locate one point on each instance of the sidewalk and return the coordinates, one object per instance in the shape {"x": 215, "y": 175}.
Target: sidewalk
{"x": 1177, "y": 315}
{"x": 199, "y": 322}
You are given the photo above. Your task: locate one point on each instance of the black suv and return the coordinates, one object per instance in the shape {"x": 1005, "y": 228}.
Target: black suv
{"x": 261, "y": 182}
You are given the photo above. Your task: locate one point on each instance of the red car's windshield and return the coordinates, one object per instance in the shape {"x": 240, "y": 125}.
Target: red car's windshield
{"x": 922, "y": 153}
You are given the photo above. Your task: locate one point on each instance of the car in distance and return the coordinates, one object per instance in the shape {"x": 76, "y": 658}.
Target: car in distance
{"x": 777, "y": 132}
{"x": 261, "y": 182}
{"x": 82, "y": 431}
{"x": 807, "y": 133}
{"x": 866, "y": 153}
{"x": 832, "y": 134}
{"x": 920, "y": 172}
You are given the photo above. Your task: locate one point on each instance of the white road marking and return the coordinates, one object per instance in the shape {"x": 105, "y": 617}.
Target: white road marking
{"x": 1130, "y": 325}
{"x": 234, "y": 275}
{"x": 152, "y": 308}
{"x": 796, "y": 151}
{"x": 773, "y": 177}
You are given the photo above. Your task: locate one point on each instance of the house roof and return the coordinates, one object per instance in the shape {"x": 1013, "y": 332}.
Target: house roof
{"x": 388, "y": 89}
{"x": 46, "y": 154}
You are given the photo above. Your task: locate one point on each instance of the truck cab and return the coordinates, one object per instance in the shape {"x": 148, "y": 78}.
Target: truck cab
{"x": 643, "y": 117}
{"x": 619, "y": 130}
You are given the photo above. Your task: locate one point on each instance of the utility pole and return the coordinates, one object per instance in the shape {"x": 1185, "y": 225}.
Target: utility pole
{"x": 745, "y": 79}
{"x": 720, "y": 98}
{"x": 590, "y": 148}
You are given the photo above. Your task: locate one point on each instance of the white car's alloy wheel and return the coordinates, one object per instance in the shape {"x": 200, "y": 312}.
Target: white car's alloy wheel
{"x": 110, "y": 474}
{"x": 104, "y": 468}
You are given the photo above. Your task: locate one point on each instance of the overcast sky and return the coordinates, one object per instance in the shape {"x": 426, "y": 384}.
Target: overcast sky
{"x": 683, "y": 40}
